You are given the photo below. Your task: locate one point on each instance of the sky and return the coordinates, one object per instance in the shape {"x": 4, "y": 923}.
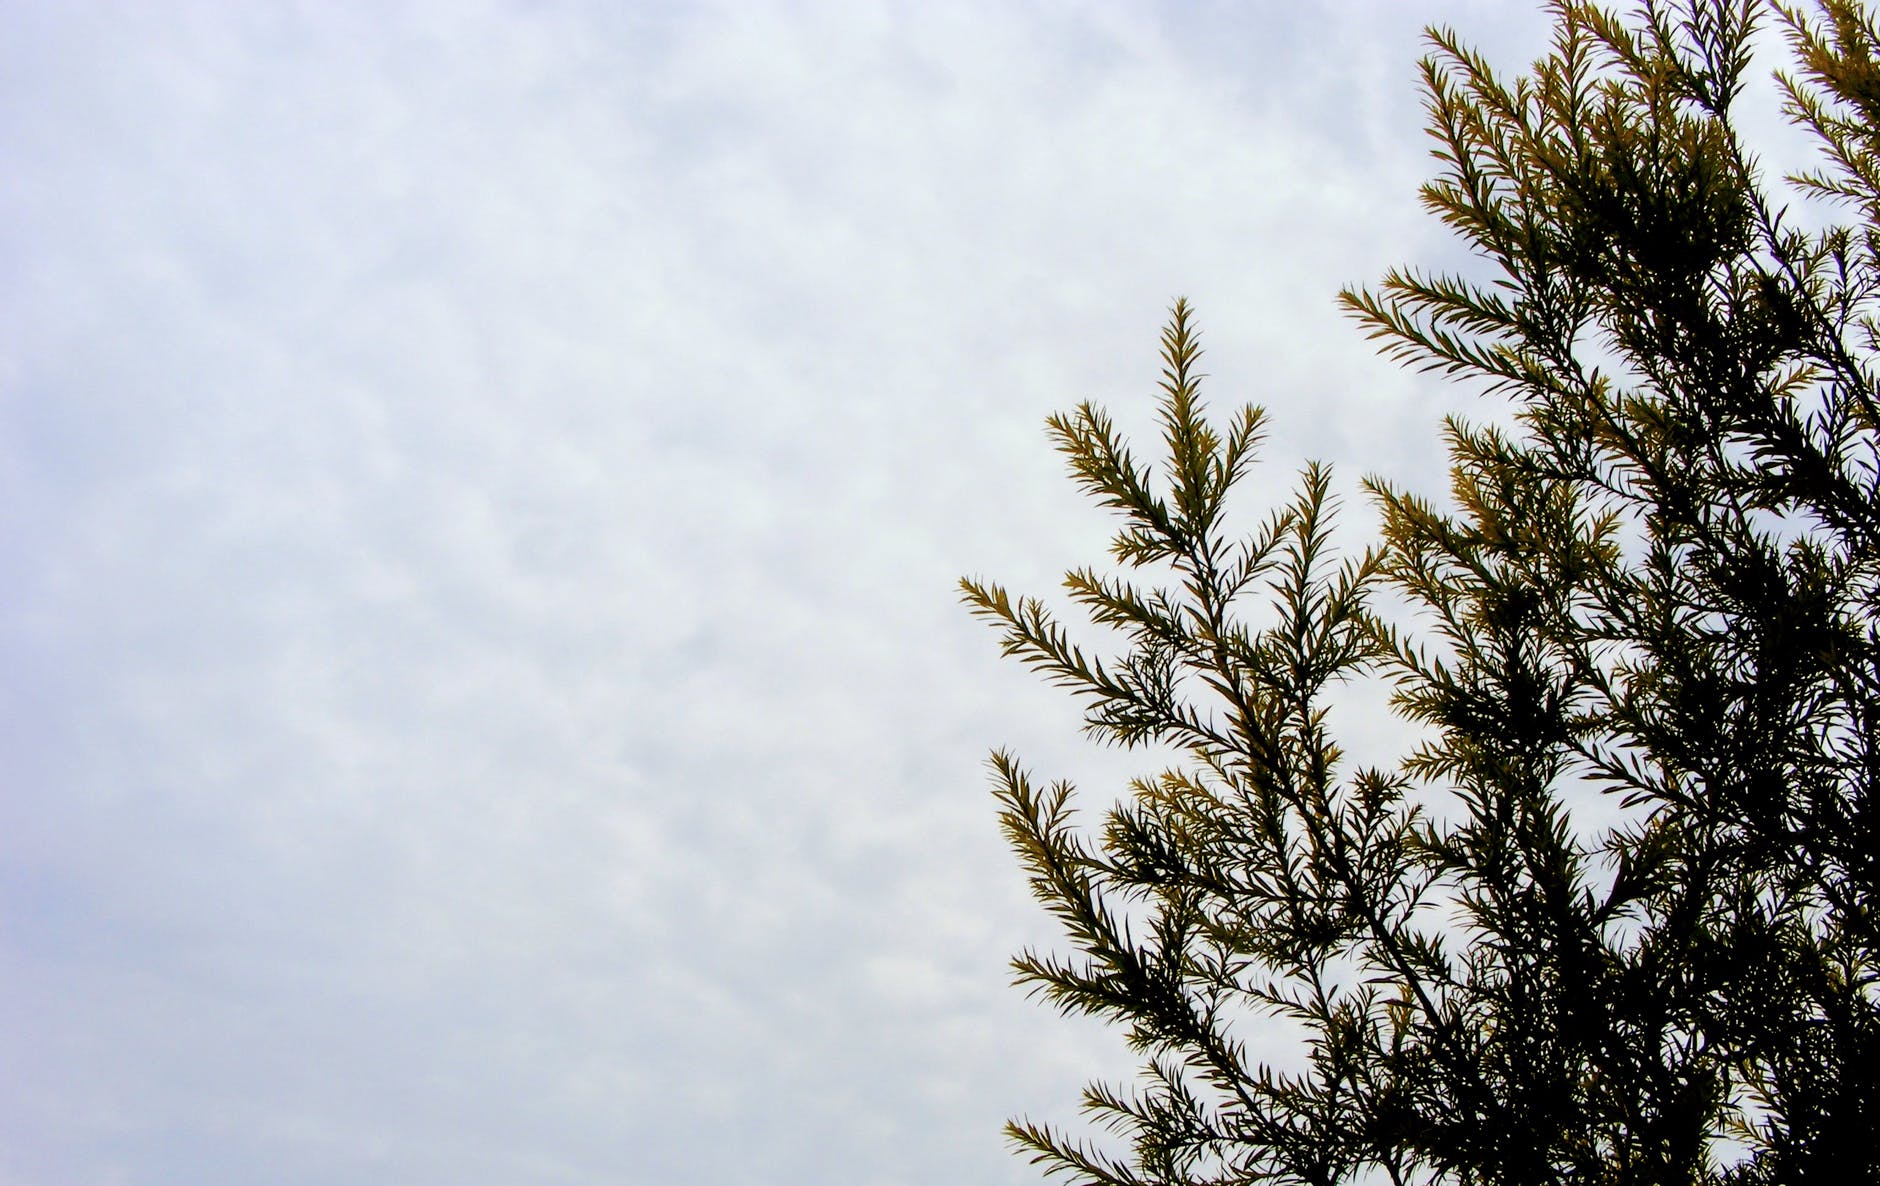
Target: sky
{"x": 483, "y": 698}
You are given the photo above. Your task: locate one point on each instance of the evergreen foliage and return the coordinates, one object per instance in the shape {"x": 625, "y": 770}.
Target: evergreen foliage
{"x": 1613, "y": 919}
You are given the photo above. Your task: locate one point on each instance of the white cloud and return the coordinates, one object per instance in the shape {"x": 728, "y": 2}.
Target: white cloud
{"x": 482, "y": 486}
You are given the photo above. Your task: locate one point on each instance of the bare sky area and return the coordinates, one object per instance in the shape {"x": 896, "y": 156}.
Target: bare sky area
{"x": 481, "y": 486}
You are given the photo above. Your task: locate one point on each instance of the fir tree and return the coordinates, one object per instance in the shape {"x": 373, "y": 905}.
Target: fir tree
{"x": 1654, "y": 593}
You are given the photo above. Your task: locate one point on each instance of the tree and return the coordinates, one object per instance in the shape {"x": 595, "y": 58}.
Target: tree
{"x": 1613, "y": 916}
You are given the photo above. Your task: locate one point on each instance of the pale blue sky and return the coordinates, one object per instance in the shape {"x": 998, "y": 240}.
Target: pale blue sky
{"x": 480, "y": 490}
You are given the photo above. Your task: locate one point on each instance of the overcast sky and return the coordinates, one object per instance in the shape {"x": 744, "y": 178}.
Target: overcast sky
{"x": 481, "y": 487}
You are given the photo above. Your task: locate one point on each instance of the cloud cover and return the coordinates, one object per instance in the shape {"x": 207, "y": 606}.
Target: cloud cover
{"x": 481, "y": 486}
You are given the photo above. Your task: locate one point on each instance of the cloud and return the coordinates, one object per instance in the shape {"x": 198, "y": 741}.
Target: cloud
{"x": 483, "y": 485}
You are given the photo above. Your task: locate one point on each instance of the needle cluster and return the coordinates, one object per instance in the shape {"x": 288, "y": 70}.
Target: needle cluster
{"x": 1613, "y": 918}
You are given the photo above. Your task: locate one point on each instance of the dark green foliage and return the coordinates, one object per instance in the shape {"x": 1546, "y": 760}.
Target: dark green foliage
{"x": 1613, "y": 919}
